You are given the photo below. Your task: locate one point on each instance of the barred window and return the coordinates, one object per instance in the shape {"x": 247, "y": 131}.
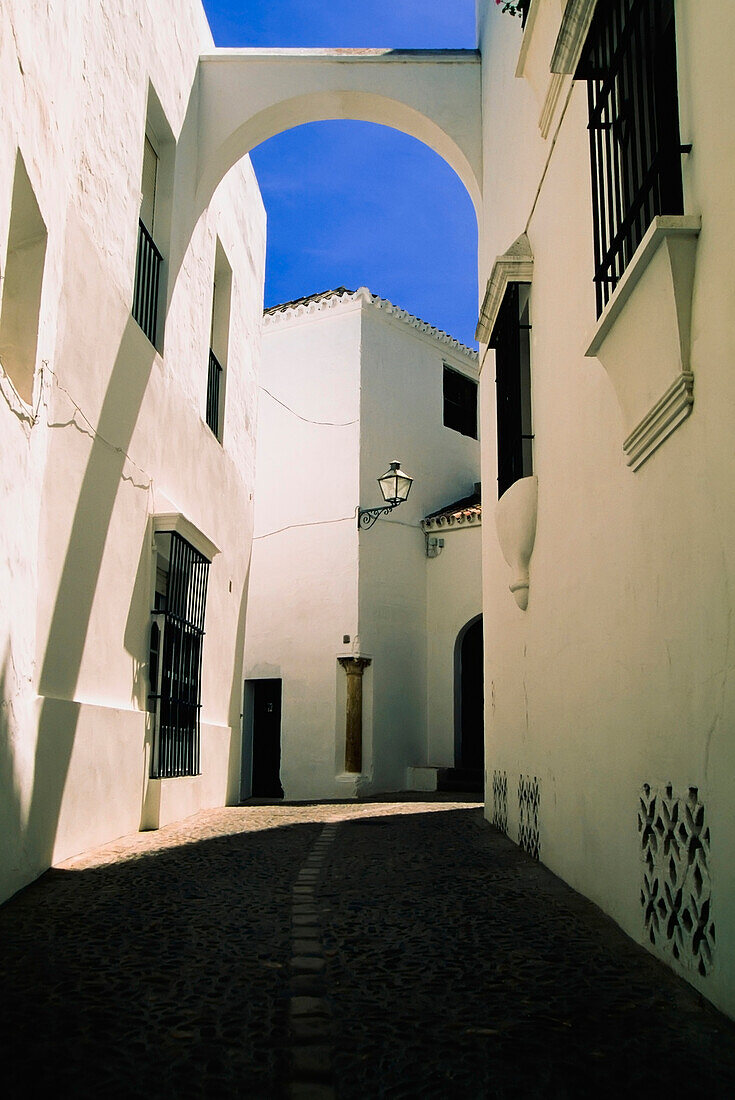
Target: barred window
{"x": 175, "y": 666}
{"x": 629, "y": 63}
{"x": 511, "y": 339}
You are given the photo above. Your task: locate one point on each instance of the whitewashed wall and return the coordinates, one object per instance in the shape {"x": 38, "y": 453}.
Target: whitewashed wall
{"x": 402, "y": 416}
{"x": 304, "y": 572}
{"x": 451, "y": 603}
{"x": 621, "y": 671}
{"x": 338, "y": 378}
{"x": 115, "y": 432}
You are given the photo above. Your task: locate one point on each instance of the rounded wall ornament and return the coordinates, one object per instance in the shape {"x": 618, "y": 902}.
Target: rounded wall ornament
{"x": 395, "y": 485}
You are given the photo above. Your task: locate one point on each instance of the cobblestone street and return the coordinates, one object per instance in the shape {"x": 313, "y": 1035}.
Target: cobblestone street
{"x": 380, "y": 949}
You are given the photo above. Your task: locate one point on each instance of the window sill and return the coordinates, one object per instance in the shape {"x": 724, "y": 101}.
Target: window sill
{"x": 643, "y": 336}
{"x": 169, "y": 800}
{"x": 663, "y": 228}
{"x": 211, "y": 431}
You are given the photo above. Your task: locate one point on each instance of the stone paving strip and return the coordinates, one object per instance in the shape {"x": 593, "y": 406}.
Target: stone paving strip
{"x": 310, "y": 1014}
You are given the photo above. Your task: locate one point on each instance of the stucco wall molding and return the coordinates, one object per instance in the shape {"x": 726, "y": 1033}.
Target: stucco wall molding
{"x": 575, "y": 25}
{"x": 163, "y": 522}
{"x": 553, "y": 92}
{"x": 673, "y": 407}
{"x": 643, "y": 336}
{"x": 514, "y": 266}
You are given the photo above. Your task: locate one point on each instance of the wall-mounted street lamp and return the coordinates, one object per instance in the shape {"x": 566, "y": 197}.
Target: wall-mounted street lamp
{"x": 395, "y": 485}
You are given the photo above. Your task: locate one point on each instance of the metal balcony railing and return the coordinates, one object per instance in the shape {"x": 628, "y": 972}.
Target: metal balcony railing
{"x": 213, "y": 383}
{"x": 147, "y": 278}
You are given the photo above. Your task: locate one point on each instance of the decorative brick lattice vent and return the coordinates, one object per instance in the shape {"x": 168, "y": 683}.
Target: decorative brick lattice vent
{"x": 528, "y": 803}
{"x": 500, "y": 801}
{"x": 677, "y": 893}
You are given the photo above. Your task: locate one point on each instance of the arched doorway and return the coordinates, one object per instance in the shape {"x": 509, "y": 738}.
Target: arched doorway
{"x": 469, "y": 742}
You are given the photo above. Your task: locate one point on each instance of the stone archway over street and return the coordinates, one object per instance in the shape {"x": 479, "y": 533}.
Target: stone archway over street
{"x": 247, "y": 96}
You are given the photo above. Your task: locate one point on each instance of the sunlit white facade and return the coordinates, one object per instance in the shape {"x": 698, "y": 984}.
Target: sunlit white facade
{"x": 348, "y": 383}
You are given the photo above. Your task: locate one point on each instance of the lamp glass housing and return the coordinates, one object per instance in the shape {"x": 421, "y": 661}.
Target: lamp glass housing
{"x": 395, "y": 484}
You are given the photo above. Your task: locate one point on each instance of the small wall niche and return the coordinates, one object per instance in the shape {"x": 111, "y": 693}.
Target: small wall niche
{"x": 22, "y": 285}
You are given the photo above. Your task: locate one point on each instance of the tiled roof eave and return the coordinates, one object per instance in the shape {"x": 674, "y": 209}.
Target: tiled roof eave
{"x": 340, "y": 297}
{"x": 472, "y": 517}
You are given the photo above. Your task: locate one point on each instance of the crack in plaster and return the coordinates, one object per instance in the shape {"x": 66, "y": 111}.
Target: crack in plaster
{"x": 548, "y": 159}
{"x": 17, "y": 48}
{"x": 319, "y": 423}
{"x": 93, "y": 434}
{"x": 17, "y": 406}
{"x": 312, "y": 523}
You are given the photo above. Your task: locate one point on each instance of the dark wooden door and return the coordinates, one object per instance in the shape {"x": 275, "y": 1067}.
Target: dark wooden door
{"x": 267, "y": 739}
{"x": 472, "y": 717}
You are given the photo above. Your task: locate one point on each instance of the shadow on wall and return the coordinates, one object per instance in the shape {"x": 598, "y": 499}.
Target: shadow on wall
{"x": 10, "y": 796}
{"x": 234, "y": 712}
{"x": 79, "y": 577}
{"x": 138, "y": 623}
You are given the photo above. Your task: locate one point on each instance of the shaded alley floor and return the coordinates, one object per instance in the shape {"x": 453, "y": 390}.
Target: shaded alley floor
{"x": 380, "y": 949}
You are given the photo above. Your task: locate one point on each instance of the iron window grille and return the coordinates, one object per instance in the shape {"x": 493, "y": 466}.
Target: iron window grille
{"x": 214, "y": 378}
{"x": 629, "y": 63}
{"x": 460, "y": 402}
{"x": 147, "y": 279}
{"x": 175, "y": 669}
{"x": 511, "y": 339}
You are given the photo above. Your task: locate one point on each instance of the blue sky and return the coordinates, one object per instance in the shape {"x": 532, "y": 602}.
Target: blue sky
{"x": 352, "y": 204}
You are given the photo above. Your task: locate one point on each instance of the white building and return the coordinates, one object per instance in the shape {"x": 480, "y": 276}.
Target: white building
{"x": 104, "y": 439}
{"x": 611, "y": 698}
{"x": 349, "y": 382}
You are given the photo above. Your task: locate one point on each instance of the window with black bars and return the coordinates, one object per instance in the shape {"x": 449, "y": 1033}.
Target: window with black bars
{"x": 177, "y": 634}
{"x": 629, "y": 63}
{"x": 511, "y": 339}
{"x": 147, "y": 278}
{"x": 460, "y": 402}
{"x": 213, "y": 383}
{"x": 148, "y": 259}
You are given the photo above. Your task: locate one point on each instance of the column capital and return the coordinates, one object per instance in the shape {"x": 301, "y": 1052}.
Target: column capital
{"x": 354, "y": 666}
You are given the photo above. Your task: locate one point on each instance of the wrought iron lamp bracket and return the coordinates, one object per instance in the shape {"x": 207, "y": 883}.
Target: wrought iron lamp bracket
{"x": 366, "y": 517}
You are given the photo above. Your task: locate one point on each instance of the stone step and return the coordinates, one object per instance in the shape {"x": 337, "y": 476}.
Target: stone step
{"x": 459, "y": 779}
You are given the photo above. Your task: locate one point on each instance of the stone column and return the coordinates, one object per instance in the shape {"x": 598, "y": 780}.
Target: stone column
{"x": 354, "y": 668}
